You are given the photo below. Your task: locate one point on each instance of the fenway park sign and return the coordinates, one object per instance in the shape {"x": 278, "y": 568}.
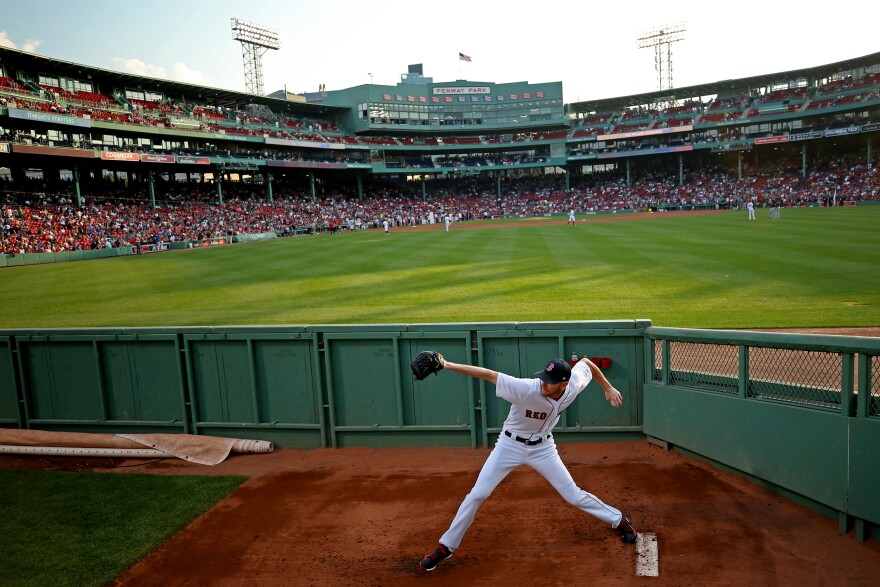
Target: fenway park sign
{"x": 464, "y": 90}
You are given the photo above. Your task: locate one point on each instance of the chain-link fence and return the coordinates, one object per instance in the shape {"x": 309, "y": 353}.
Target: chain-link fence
{"x": 799, "y": 376}
{"x": 806, "y": 371}
{"x": 874, "y": 371}
{"x": 657, "y": 371}
{"x": 709, "y": 367}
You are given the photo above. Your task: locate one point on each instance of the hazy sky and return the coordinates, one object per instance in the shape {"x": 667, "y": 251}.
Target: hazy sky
{"x": 591, "y": 48}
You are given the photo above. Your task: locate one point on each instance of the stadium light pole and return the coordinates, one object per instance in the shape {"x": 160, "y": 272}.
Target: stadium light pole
{"x": 255, "y": 41}
{"x": 661, "y": 39}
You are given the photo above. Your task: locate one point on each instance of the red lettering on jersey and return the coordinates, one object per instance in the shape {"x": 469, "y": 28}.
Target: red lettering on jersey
{"x": 529, "y": 414}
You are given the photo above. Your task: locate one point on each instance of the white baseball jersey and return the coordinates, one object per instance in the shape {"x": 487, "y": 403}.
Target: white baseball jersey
{"x": 532, "y": 414}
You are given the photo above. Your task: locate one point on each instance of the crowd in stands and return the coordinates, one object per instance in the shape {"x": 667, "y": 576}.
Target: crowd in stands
{"x": 37, "y": 219}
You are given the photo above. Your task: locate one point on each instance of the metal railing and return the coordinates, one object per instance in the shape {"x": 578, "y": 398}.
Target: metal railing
{"x": 817, "y": 371}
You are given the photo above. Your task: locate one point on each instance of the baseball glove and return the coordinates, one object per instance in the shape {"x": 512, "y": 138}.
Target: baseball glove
{"x": 425, "y": 363}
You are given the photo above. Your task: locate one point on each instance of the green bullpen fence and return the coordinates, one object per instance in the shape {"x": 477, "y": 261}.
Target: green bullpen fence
{"x": 797, "y": 413}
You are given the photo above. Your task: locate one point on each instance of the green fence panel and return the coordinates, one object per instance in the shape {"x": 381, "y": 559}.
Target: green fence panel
{"x": 437, "y": 400}
{"x": 370, "y": 390}
{"x": 3, "y": 260}
{"x": 92, "y": 381}
{"x": 285, "y": 381}
{"x": 760, "y": 438}
{"x": 61, "y": 381}
{"x": 256, "y": 382}
{"x": 864, "y": 472}
{"x": 221, "y": 381}
{"x": 9, "y": 415}
{"x": 16, "y": 261}
{"x": 143, "y": 380}
{"x": 358, "y": 365}
{"x": 792, "y": 410}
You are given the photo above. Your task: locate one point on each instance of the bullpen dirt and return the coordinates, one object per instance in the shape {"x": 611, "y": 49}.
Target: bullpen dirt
{"x": 364, "y": 517}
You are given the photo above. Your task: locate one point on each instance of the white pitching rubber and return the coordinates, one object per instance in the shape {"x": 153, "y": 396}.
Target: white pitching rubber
{"x": 647, "y": 560}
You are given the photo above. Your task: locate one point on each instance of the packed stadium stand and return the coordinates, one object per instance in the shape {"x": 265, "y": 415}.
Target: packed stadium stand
{"x": 91, "y": 158}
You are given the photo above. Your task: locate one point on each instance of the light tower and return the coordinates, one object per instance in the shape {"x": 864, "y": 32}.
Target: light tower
{"x": 662, "y": 38}
{"x": 255, "y": 41}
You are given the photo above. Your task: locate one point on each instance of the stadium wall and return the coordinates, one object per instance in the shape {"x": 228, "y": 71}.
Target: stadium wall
{"x": 60, "y": 257}
{"x": 741, "y": 400}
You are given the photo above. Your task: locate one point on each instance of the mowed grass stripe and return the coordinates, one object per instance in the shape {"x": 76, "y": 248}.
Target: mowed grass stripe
{"x": 814, "y": 267}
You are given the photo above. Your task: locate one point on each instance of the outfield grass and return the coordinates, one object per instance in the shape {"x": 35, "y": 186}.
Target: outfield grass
{"x": 814, "y": 267}
{"x": 85, "y": 529}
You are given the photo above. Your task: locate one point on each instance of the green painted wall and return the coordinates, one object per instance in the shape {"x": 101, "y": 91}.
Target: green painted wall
{"x": 350, "y": 385}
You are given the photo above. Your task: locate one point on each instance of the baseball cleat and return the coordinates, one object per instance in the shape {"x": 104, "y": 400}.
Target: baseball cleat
{"x": 430, "y": 562}
{"x": 627, "y": 533}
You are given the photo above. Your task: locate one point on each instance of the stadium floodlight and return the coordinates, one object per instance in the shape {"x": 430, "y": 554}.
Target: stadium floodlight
{"x": 661, "y": 39}
{"x": 255, "y": 41}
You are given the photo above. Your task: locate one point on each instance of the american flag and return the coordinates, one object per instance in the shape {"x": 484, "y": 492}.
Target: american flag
{"x": 464, "y": 57}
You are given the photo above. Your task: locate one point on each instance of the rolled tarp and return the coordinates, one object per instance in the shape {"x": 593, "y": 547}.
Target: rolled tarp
{"x": 204, "y": 450}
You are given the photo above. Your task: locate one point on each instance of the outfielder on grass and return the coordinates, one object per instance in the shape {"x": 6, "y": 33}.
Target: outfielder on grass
{"x": 526, "y": 439}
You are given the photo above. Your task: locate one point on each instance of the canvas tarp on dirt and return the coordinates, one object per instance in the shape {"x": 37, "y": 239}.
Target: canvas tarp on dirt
{"x": 204, "y": 450}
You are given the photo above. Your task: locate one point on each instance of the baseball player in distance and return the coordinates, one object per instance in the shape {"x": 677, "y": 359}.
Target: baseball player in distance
{"x": 526, "y": 439}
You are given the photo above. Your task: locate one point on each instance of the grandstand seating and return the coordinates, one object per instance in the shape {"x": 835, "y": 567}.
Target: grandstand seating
{"x": 7, "y": 83}
{"x": 93, "y": 98}
{"x": 50, "y": 225}
{"x": 209, "y": 114}
{"x": 734, "y": 103}
{"x": 638, "y": 115}
{"x": 720, "y": 116}
{"x": 674, "y": 122}
{"x": 596, "y": 119}
{"x": 156, "y": 107}
{"x": 40, "y": 223}
{"x": 623, "y": 128}
{"x": 586, "y": 132}
{"x": 462, "y": 140}
{"x": 57, "y": 92}
{"x": 550, "y": 136}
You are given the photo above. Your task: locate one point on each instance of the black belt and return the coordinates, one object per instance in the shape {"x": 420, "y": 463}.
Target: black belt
{"x": 526, "y": 441}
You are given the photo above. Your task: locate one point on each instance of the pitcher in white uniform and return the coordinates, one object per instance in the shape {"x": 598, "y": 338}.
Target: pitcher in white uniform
{"x": 526, "y": 439}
